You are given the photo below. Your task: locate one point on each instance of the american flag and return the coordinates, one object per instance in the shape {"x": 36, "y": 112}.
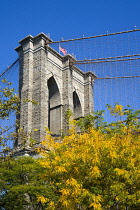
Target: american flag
{"x": 63, "y": 50}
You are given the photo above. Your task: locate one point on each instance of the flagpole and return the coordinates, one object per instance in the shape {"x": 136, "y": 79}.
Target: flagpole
{"x": 59, "y": 47}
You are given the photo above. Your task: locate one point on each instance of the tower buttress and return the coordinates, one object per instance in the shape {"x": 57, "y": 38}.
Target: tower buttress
{"x": 54, "y": 83}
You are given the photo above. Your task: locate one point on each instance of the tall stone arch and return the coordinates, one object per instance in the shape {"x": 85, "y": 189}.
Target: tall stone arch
{"x": 49, "y": 78}
{"x": 54, "y": 107}
{"x": 77, "y": 108}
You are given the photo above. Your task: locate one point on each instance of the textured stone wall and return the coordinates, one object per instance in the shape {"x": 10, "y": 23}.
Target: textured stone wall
{"x": 54, "y": 83}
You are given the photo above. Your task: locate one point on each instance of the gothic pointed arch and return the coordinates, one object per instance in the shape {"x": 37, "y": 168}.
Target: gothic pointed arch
{"x": 54, "y": 106}
{"x": 77, "y": 109}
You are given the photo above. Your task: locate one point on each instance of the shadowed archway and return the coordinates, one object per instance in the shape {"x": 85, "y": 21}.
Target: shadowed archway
{"x": 77, "y": 109}
{"x": 54, "y": 107}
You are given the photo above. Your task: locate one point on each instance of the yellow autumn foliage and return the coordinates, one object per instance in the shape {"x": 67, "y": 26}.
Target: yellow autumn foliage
{"x": 42, "y": 199}
{"x": 97, "y": 169}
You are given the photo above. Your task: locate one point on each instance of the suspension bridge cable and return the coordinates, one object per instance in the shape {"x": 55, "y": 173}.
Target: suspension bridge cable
{"x": 7, "y": 129}
{"x": 108, "y": 58}
{"x": 117, "y": 77}
{"x": 9, "y": 67}
{"x": 130, "y": 59}
{"x": 92, "y": 37}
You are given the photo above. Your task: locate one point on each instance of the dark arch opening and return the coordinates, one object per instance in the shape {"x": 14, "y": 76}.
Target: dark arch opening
{"x": 77, "y": 109}
{"x": 54, "y": 107}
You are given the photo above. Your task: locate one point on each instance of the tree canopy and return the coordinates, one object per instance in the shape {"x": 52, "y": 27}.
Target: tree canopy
{"x": 97, "y": 168}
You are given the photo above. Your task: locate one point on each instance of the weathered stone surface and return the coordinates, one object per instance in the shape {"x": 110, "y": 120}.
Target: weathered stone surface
{"x": 54, "y": 83}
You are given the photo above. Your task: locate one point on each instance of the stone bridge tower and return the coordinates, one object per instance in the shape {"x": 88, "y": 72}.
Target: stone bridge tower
{"x": 54, "y": 83}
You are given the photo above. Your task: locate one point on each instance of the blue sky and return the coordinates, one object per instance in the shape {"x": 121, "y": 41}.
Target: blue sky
{"x": 67, "y": 19}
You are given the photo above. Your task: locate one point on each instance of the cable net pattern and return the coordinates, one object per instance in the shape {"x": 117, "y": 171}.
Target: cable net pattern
{"x": 115, "y": 60}
{"x": 8, "y": 125}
